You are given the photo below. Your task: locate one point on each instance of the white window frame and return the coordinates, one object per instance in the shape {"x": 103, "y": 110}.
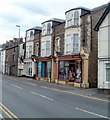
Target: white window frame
{"x": 68, "y": 44}
{"x": 69, "y": 20}
{"x": 76, "y": 44}
{"x": 48, "y": 48}
{"x": 57, "y": 45}
{"x": 106, "y": 71}
{"x": 43, "y": 48}
{"x": 76, "y": 18}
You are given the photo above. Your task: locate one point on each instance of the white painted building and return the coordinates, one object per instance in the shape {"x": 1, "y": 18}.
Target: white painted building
{"x": 20, "y": 60}
{"x": 3, "y": 56}
{"x": 29, "y": 65}
{"x": 103, "y": 28}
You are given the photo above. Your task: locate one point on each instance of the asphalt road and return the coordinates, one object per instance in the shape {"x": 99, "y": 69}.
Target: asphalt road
{"x": 23, "y": 99}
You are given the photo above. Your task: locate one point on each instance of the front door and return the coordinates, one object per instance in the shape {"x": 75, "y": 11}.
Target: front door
{"x": 43, "y": 69}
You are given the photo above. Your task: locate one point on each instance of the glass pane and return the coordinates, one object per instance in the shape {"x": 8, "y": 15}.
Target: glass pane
{"x": 108, "y": 74}
{"x": 49, "y": 69}
{"x": 61, "y": 76}
{"x": 39, "y": 69}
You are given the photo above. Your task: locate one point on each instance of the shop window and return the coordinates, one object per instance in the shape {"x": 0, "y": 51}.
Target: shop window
{"x": 76, "y": 18}
{"x": 49, "y": 69}
{"x": 30, "y": 68}
{"x": 78, "y": 71}
{"x": 108, "y": 72}
{"x": 67, "y": 70}
{"x": 75, "y": 43}
{"x": 61, "y": 74}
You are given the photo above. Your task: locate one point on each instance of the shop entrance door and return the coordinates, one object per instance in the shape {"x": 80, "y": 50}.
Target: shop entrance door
{"x": 72, "y": 70}
{"x": 43, "y": 69}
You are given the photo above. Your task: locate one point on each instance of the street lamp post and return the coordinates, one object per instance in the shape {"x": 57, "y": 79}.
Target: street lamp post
{"x": 18, "y": 47}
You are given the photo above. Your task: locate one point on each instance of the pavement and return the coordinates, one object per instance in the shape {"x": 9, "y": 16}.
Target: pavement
{"x": 91, "y": 92}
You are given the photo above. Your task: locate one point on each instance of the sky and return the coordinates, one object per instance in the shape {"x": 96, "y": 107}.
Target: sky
{"x": 31, "y": 13}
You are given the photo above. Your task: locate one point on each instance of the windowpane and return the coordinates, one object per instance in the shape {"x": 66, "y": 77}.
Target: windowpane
{"x": 48, "y": 48}
{"x": 76, "y": 43}
{"x": 108, "y": 72}
{"x": 76, "y": 18}
{"x": 48, "y": 28}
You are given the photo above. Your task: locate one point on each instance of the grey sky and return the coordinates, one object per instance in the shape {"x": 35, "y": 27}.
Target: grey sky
{"x": 30, "y": 13}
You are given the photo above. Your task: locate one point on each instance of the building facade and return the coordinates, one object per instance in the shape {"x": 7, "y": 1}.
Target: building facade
{"x": 3, "y": 56}
{"x": 11, "y": 60}
{"x": 21, "y": 59}
{"x": 45, "y": 61}
{"x": 30, "y": 43}
{"x": 103, "y": 28}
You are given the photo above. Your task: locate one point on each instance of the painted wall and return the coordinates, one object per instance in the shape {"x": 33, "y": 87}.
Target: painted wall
{"x": 3, "y": 56}
{"x": 103, "y": 53}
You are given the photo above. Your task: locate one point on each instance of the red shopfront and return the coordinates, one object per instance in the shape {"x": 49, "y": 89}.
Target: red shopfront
{"x": 43, "y": 67}
{"x": 70, "y": 68}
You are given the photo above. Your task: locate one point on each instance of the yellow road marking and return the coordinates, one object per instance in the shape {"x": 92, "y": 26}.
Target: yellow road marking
{"x": 76, "y": 94}
{"x": 6, "y": 109}
{"x": 6, "y": 113}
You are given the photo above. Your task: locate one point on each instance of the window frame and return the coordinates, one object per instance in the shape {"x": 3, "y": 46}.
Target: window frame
{"x": 76, "y": 18}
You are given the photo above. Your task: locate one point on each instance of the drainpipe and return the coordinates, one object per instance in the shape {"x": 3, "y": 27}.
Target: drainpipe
{"x": 91, "y": 31}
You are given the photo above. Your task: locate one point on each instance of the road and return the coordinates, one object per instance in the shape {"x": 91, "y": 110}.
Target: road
{"x": 22, "y": 98}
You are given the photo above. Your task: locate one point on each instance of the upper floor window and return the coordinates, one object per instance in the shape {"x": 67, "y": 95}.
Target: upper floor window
{"x": 76, "y": 18}
{"x": 43, "y": 29}
{"x": 48, "y": 28}
{"x": 31, "y": 35}
{"x": 57, "y": 45}
{"x": 43, "y": 48}
{"x": 14, "y": 58}
{"x": 76, "y": 43}
{"x": 30, "y": 51}
{"x": 68, "y": 44}
{"x": 37, "y": 48}
{"x": 47, "y": 48}
{"x": 69, "y": 20}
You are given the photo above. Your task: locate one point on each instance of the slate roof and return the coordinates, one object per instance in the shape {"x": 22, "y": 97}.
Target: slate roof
{"x": 102, "y": 17}
{"x": 55, "y": 20}
{"x": 35, "y": 28}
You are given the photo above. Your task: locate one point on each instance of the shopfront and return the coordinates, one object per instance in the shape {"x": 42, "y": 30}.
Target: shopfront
{"x": 69, "y": 68}
{"x": 43, "y": 68}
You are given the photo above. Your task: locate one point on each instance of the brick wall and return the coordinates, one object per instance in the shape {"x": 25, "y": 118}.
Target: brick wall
{"x": 89, "y": 42}
{"x": 59, "y": 33}
{"x": 12, "y": 65}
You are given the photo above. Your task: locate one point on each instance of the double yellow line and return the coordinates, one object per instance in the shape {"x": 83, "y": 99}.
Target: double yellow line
{"x": 8, "y": 113}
